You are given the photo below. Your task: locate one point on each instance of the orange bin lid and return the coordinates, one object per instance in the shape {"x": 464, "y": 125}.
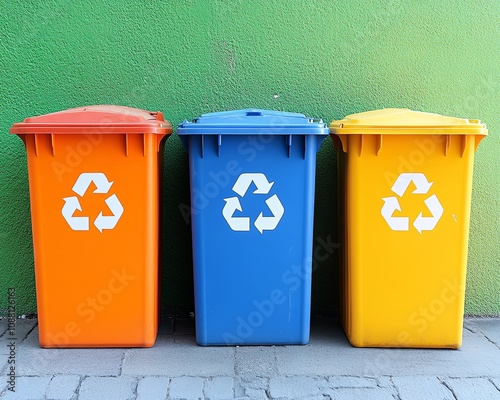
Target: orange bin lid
{"x": 105, "y": 119}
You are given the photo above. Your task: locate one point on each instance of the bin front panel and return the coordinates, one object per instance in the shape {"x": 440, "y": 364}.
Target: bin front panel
{"x": 252, "y": 200}
{"x": 407, "y": 207}
{"x": 94, "y": 205}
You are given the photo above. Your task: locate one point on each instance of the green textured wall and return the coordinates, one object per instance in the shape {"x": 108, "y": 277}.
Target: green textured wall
{"x": 322, "y": 58}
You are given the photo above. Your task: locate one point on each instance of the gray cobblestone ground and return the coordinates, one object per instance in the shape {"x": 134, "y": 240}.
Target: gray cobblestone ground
{"x": 327, "y": 368}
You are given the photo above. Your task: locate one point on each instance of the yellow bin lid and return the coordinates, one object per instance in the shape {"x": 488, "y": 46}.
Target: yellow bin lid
{"x": 402, "y": 121}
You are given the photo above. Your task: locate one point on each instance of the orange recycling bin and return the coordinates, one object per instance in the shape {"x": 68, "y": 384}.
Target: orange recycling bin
{"x": 94, "y": 178}
{"x": 405, "y": 181}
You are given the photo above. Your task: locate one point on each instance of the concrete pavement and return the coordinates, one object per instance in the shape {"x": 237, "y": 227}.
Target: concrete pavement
{"x": 327, "y": 368}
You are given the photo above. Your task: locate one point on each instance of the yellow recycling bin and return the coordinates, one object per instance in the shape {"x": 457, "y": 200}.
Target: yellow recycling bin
{"x": 405, "y": 181}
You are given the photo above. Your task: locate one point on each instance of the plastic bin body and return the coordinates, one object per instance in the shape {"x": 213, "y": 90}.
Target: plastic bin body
{"x": 94, "y": 177}
{"x": 252, "y": 271}
{"x": 405, "y": 190}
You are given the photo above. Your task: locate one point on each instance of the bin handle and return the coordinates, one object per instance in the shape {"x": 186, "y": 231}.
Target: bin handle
{"x": 158, "y": 115}
{"x": 315, "y": 120}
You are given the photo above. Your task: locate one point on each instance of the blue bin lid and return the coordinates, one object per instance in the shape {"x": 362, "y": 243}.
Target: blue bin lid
{"x": 253, "y": 121}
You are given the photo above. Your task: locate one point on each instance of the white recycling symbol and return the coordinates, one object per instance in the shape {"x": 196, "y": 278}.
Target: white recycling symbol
{"x": 233, "y": 204}
{"x": 72, "y": 203}
{"x": 391, "y": 204}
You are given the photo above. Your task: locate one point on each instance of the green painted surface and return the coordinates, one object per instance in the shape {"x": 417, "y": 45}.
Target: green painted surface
{"x": 322, "y": 58}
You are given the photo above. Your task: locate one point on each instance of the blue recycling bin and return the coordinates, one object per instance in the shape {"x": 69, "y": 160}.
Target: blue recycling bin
{"x": 252, "y": 176}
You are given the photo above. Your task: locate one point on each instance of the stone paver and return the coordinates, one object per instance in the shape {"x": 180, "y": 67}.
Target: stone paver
{"x": 362, "y": 394}
{"x": 421, "y": 388}
{"x": 63, "y": 387}
{"x": 152, "y": 388}
{"x": 219, "y": 388}
{"x": 249, "y": 383}
{"x": 256, "y": 394}
{"x": 109, "y": 388}
{"x": 473, "y": 388}
{"x": 33, "y": 360}
{"x": 487, "y": 326}
{"x": 3, "y": 325}
{"x": 186, "y": 388}
{"x": 384, "y": 381}
{"x": 3, "y": 365}
{"x": 178, "y": 358}
{"x": 28, "y": 388}
{"x": 303, "y": 360}
{"x": 294, "y": 387}
{"x": 257, "y": 361}
{"x": 351, "y": 382}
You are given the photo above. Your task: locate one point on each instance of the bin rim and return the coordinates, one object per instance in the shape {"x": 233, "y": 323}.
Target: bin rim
{"x": 253, "y": 121}
{"x": 102, "y": 119}
{"x": 403, "y": 121}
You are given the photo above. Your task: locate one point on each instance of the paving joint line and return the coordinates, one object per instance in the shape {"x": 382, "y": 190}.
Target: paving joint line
{"x": 275, "y": 367}
{"x": 135, "y": 389}
{"x": 120, "y": 370}
{"x": 48, "y": 385}
{"x": 489, "y": 340}
{"x": 29, "y": 333}
{"x": 3, "y": 390}
{"x": 450, "y": 389}
{"x": 442, "y": 381}
{"x": 167, "y": 394}
{"x": 78, "y": 387}
{"x": 469, "y": 329}
{"x": 393, "y": 388}
{"x": 493, "y": 383}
